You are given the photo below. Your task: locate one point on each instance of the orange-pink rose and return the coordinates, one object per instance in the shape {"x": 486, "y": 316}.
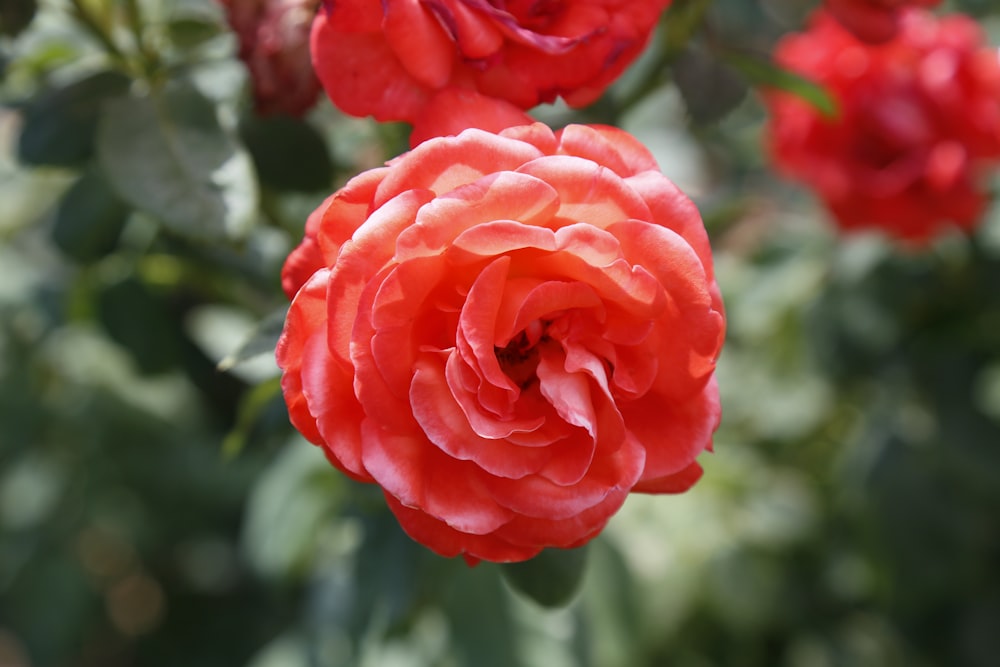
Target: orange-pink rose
{"x": 508, "y": 333}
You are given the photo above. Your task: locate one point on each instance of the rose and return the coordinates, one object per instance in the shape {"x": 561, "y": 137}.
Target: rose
{"x": 392, "y": 58}
{"x": 508, "y": 333}
{"x": 873, "y": 21}
{"x": 274, "y": 44}
{"x": 917, "y": 128}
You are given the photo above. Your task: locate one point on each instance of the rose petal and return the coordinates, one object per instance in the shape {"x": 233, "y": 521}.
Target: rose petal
{"x": 421, "y": 476}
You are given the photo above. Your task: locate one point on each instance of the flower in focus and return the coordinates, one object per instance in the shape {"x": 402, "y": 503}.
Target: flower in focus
{"x": 918, "y": 123}
{"x": 508, "y": 333}
{"x": 873, "y": 21}
{"x": 392, "y": 59}
{"x": 274, "y": 44}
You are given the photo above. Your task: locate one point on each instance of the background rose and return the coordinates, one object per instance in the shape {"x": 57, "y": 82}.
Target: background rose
{"x": 274, "y": 44}
{"x": 918, "y": 121}
{"x": 508, "y": 334}
{"x": 390, "y": 59}
{"x": 873, "y": 20}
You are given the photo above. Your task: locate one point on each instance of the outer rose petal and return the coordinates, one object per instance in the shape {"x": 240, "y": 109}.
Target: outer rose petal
{"x": 508, "y": 333}
{"x": 451, "y": 110}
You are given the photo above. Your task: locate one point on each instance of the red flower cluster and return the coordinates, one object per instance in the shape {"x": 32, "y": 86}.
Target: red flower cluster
{"x": 918, "y": 122}
{"x": 443, "y": 65}
{"x": 508, "y": 333}
{"x": 274, "y": 43}
{"x": 873, "y": 21}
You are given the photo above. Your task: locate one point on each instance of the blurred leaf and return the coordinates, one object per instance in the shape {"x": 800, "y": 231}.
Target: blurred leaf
{"x": 682, "y": 21}
{"x": 251, "y": 406}
{"x": 262, "y": 340}
{"x": 480, "y": 618}
{"x": 290, "y": 154}
{"x": 168, "y": 155}
{"x": 59, "y": 125}
{"x": 89, "y": 219}
{"x": 16, "y": 15}
{"x": 710, "y": 87}
{"x": 551, "y": 578}
{"x": 768, "y": 75}
{"x": 138, "y": 319}
{"x": 189, "y": 32}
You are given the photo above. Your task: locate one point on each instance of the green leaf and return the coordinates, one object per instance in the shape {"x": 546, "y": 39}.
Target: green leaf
{"x": 89, "y": 219}
{"x": 551, "y": 578}
{"x": 168, "y": 155}
{"x": 16, "y": 15}
{"x": 59, "y": 124}
{"x": 683, "y": 20}
{"x": 262, "y": 340}
{"x": 190, "y": 32}
{"x": 710, "y": 87}
{"x": 768, "y": 75}
{"x": 290, "y": 154}
{"x": 252, "y": 406}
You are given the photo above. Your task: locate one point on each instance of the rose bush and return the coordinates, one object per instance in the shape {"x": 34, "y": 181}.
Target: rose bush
{"x": 508, "y": 333}
{"x": 392, "y": 59}
{"x": 873, "y": 20}
{"x": 918, "y": 123}
{"x": 274, "y": 44}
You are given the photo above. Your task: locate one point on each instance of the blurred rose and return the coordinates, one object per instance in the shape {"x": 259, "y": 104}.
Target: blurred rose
{"x": 274, "y": 43}
{"x": 508, "y": 333}
{"x": 873, "y": 20}
{"x": 918, "y": 123}
{"x": 391, "y": 58}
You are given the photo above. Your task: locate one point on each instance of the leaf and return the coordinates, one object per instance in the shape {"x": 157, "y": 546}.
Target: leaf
{"x": 59, "y": 124}
{"x": 89, "y": 219}
{"x": 290, "y": 154}
{"x": 252, "y": 406}
{"x": 710, "y": 87}
{"x": 168, "y": 155}
{"x": 16, "y": 15}
{"x": 766, "y": 74}
{"x": 190, "y": 32}
{"x": 262, "y": 340}
{"x": 551, "y": 578}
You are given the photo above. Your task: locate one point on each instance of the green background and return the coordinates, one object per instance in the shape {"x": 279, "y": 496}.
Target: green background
{"x": 155, "y": 510}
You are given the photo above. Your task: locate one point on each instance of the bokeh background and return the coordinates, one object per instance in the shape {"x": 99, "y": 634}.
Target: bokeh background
{"x": 158, "y": 510}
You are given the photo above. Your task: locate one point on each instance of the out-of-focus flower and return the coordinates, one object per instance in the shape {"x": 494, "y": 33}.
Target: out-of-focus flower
{"x": 873, "y": 20}
{"x": 508, "y": 333}
{"x": 392, "y": 58}
{"x": 274, "y": 44}
{"x": 918, "y": 123}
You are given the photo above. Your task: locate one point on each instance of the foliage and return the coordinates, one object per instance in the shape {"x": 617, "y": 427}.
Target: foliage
{"x": 158, "y": 510}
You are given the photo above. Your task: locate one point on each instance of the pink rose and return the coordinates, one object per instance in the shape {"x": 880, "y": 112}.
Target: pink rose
{"x": 393, "y": 59}
{"x": 918, "y": 127}
{"x": 507, "y": 333}
{"x": 873, "y": 21}
{"x": 274, "y": 44}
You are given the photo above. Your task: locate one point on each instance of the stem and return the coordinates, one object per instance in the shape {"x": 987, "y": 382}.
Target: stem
{"x": 97, "y": 30}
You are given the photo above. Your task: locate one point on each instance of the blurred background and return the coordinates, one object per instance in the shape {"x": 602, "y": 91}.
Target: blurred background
{"x": 157, "y": 510}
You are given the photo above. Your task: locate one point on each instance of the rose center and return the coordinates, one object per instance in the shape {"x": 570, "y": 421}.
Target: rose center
{"x": 519, "y": 358}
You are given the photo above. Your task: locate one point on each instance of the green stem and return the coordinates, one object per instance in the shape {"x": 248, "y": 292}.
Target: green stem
{"x": 98, "y": 30}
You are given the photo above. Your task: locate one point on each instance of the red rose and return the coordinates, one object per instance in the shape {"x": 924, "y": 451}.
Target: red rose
{"x": 873, "y": 20}
{"x": 391, "y": 58}
{"x": 508, "y": 333}
{"x": 918, "y": 123}
{"x": 274, "y": 43}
